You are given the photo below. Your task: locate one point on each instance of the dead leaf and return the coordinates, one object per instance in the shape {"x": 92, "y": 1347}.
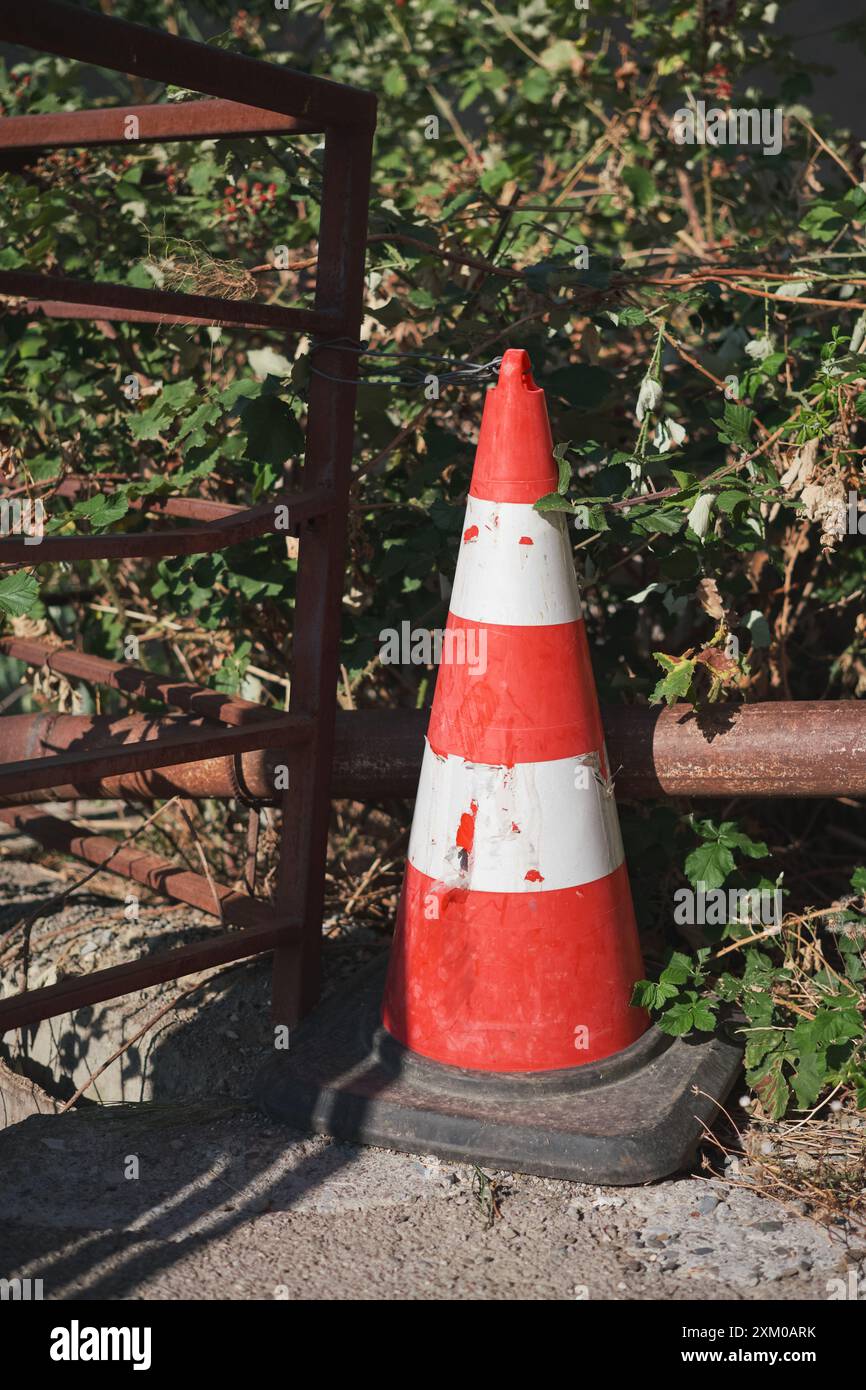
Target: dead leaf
{"x": 718, "y": 662}
{"x": 800, "y": 470}
{"x": 710, "y": 599}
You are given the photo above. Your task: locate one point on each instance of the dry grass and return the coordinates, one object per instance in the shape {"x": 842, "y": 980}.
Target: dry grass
{"x": 188, "y": 268}
{"x": 815, "y": 1167}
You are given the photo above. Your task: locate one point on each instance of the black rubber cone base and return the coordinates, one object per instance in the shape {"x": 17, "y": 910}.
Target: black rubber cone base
{"x": 636, "y": 1116}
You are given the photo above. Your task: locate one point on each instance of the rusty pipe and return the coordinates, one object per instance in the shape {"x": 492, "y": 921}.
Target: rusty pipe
{"x": 803, "y": 748}
{"x": 26, "y": 736}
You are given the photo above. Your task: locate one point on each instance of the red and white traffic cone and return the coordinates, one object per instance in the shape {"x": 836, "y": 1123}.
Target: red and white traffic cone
{"x": 516, "y": 947}
{"x": 509, "y": 1037}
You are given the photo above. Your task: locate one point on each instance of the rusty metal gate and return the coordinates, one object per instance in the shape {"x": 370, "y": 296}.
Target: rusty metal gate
{"x": 249, "y": 97}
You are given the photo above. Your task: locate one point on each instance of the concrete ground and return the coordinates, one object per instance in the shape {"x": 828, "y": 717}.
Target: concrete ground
{"x": 226, "y": 1205}
{"x": 174, "y": 1187}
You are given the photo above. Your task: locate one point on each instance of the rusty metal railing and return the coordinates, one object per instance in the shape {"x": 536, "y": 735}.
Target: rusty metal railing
{"x": 248, "y": 97}
{"x": 805, "y": 748}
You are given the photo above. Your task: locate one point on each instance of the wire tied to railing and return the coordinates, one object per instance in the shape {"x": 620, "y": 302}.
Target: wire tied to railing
{"x": 405, "y": 374}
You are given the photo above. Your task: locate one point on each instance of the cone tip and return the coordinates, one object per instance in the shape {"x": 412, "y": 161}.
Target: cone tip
{"x": 514, "y": 460}
{"x": 515, "y": 371}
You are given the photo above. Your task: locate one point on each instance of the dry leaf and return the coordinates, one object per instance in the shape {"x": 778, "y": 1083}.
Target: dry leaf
{"x": 710, "y": 599}
{"x": 800, "y": 470}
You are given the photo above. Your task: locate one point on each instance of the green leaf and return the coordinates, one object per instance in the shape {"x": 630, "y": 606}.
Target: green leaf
{"x": 759, "y": 1045}
{"x": 772, "y": 1089}
{"x": 685, "y": 480}
{"x": 101, "y": 511}
{"x": 202, "y": 174}
{"x": 625, "y": 318}
{"x": 810, "y": 1078}
{"x": 272, "y": 432}
{"x": 668, "y": 523}
{"x": 737, "y": 839}
{"x": 564, "y": 475}
{"x": 172, "y": 400}
{"x": 554, "y": 502}
{"x": 678, "y": 969}
{"x": 649, "y": 994}
{"x": 588, "y": 518}
{"x": 687, "y": 1015}
{"x": 19, "y": 593}
{"x": 837, "y": 1024}
{"x": 676, "y": 684}
{"x": 394, "y": 82}
{"x": 703, "y": 1018}
{"x": 735, "y": 426}
{"x": 730, "y": 498}
{"x": 710, "y": 864}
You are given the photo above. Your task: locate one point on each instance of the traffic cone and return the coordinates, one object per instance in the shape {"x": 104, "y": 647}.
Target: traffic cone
{"x": 506, "y": 1035}
{"x": 516, "y": 947}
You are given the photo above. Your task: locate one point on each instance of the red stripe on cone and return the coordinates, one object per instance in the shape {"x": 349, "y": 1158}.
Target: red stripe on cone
{"x": 507, "y": 981}
{"x": 535, "y": 701}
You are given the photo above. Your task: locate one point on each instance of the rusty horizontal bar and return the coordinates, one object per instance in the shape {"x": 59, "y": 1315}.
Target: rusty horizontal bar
{"x": 39, "y": 736}
{"x": 32, "y": 285}
{"x": 53, "y": 27}
{"x": 807, "y": 749}
{"x": 132, "y": 680}
{"x": 192, "y": 508}
{"x": 259, "y": 931}
{"x": 184, "y": 744}
{"x": 229, "y": 528}
{"x": 169, "y": 121}
{"x": 57, "y": 309}
{"x": 81, "y": 990}
{"x": 239, "y": 909}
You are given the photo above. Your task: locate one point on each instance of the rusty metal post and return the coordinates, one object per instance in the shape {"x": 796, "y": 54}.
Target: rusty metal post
{"x": 321, "y": 568}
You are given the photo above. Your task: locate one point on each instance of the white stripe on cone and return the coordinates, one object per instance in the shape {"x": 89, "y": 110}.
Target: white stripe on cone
{"x": 535, "y": 827}
{"x": 515, "y": 567}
